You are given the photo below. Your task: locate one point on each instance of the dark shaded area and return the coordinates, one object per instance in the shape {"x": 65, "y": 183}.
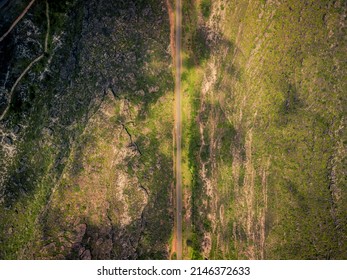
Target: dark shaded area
{"x": 144, "y": 238}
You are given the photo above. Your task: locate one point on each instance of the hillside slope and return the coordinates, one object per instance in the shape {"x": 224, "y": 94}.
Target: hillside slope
{"x": 86, "y": 130}
{"x": 86, "y": 144}
{"x": 265, "y": 106}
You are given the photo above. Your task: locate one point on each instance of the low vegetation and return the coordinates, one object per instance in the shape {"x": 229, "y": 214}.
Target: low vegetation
{"x": 265, "y": 138}
{"x": 88, "y": 136}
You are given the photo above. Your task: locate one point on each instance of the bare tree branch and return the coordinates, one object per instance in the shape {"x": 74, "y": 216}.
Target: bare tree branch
{"x": 17, "y": 20}
{"x": 26, "y": 70}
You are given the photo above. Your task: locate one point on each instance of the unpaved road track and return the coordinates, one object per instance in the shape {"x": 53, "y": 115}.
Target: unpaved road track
{"x": 178, "y": 131}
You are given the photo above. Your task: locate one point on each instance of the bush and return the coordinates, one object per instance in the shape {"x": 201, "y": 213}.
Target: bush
{"x": 206, "y": 8}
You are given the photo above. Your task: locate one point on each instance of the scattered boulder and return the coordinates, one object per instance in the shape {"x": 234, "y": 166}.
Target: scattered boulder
{"x": 60, "y": 257}
{"x": 86, "y": 255}
{"x": 10, "y": 231}
{"x": 8, "y": 140}
{"x": 49, "y": 249}
{"x": 153, "y": 89}
{"x": 16, "y": 129}
{"x": 80, "y": 231}
{"x": 140, "y": 92}
{"x": 47, "y": 131}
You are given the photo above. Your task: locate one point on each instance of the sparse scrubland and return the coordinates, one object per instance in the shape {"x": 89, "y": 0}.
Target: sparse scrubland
{"x": 86, "y": 145}
{"x": 265, "y": 105}
{"x": 86, "y": 131}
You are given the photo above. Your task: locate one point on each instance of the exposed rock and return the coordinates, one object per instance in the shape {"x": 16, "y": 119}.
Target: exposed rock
{"x": 86, "y": 255}
{"x": 80, "y": 231}
{"x": 8, "y": 140}
{"x": 10, "y": 230}
{"x": 153, "y": 89}
{"x": 47, "y": 131}
{"x": 48, "y": 249}
{"x": 140, "y": 92}
{"x": 16, "y": 129}
{"x": 60, "y": 257}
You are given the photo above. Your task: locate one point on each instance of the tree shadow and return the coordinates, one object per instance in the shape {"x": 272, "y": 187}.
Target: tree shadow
{"x": 73, "y": 235}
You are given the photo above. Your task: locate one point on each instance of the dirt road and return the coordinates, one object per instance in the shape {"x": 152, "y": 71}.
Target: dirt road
{"x": 178, "y": 131}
